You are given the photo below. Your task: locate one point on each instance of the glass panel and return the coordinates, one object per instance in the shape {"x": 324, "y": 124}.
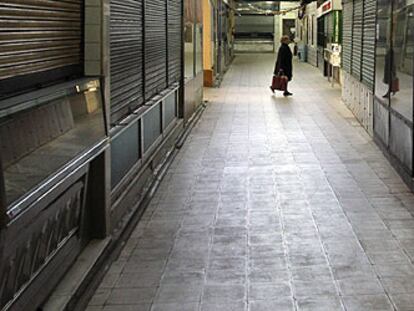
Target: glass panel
{"x": 152, "y": 126}
{"x": 170, "y": 109}
{"x": 125, "y": 152}
{"x": 38, "y": 141}
{"x": 199, "y": 49}
{"x": 401, "y": 141}
{"x": 401, "y": 86}
{"x": 189, "y": 38}
{"x": 383, "y": 50}
{"x": 199, "y": 37}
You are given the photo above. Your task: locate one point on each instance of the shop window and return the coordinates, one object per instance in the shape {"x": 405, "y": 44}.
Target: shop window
{"x": 189, "y": 38}
{"x": 383, "y": 50}
{"x": 198, "y": 38}
{"x": 394, "y": 56}
{"x": 38, "y": 137}
{"x": 393, "y": 118}
{"x": 401, "y": 73}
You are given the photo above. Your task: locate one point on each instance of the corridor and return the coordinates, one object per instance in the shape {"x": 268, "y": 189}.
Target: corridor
{"x": 272, "y": 204}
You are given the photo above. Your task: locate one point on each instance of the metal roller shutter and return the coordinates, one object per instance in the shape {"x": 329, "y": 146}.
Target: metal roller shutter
{"x": 347, "y": 36}
{"x": 126, "y": 47}
{"x": 155, "y": 47}
{"x": 174, "y": 40}
{"x": 357, "y": 38}
{"x": 368, "y": 45}
{"x": 40, "y": 42}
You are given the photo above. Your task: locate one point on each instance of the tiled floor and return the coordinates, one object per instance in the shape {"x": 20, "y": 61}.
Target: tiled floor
{"x": 273, "y": 204}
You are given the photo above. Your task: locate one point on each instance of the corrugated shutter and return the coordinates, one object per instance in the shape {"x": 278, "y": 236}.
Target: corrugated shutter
{"x": 347, "y": 36}
{"x": 38, "y": 37}
{"x": 368, "y": 46}
{"x": 126, "y": 57}
{"x": 155, "y": 47}
{"x": 357, "y": 38}
{"x": 174, "y": 40}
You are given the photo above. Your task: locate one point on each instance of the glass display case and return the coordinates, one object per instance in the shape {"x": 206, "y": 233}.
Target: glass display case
{"x": 42, "y": 132}
{"x": 393, "y": 108}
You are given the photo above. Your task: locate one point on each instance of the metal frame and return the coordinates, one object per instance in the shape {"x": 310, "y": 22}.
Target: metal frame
{"x": 138, "y": 117}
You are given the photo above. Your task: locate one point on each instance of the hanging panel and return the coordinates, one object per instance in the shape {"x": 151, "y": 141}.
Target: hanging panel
{"x": 347, "y": 36}
{"x": 40, "y": 42}
{"x": 174, "y": 40}
{"x": 357, "y": 38}
{"x": 126, "y": 57}
{"x": 368, "y": 45}
{"x": 155, "y": 47}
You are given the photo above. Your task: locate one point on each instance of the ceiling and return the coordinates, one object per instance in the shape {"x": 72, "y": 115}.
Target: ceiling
{"x": 257, "y": 6}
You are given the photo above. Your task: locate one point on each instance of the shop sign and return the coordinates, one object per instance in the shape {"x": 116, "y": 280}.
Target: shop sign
{"x": 326, "y": 7}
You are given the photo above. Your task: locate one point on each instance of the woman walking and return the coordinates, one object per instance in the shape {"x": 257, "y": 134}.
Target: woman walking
{"x": 284, "y": 63}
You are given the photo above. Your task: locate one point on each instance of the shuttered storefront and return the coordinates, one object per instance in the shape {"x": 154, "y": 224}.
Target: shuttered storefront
{"x": 155, "y": 47}
{"x": 174, "y": 40}
{"x": 126, "y": 48}
{"x": 368, "y": 46}
{"x": 40, "y": 42}
{"x": 347, "y": 36}
{"x": 357, "y": 38}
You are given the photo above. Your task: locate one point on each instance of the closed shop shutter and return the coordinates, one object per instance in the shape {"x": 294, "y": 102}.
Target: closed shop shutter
{"x": 252, "y": 26}
{"x": 347, "y": 36}
{"x": 126, "y": 57}
{"x": 155, "y": 47}
{"x": 174, "y": 40}
{"x": 368, "y": 46}
{"x": 40, "y": 42}
{"x": 357, "y": 38}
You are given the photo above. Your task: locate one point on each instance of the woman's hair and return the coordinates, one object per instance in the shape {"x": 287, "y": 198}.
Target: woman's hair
{"x": 285, "y": 39}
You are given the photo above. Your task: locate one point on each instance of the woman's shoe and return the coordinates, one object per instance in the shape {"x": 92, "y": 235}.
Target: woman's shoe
{"x": 286, "y": 93}
{"x": 272, "y": 89}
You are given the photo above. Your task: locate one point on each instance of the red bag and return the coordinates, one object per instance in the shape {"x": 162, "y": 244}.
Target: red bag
{"x": 280, "y": 83}
{"x": 395, "y": 85}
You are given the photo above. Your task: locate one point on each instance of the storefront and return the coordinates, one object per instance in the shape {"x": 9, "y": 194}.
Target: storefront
{"x": 91, "y": 104}
{"x": 193, "y": 58}
{"x": 53, "y": 146}
{"x": 307, "y": 34}
{"x": 358, "y": 59}
{"x": 329, "y": 38}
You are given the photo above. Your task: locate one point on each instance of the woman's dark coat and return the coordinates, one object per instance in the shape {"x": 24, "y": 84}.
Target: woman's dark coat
{"x": 284, "y": 61}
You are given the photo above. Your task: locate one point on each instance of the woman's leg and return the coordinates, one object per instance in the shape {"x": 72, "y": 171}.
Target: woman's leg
{"x": 286, "y": 92}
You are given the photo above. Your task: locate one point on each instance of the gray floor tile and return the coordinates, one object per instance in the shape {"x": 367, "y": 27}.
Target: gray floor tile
{"x": 126, "y": 296}
{"x": 269, "y": 291}
{"x": 223, "y": 293}
{"x": 233, "y": 306}
{"x": 314, "y": 287}
{"x": 403, "y": 302}
{"x": 280, "y": 304}
{"x": 136, "y": 307}
{"x": 320, "y": 303}
{"x": 360, "y": 286}
{"x": 175, "y": 306}
{"x": 266, "y": 194}
{"x": 368, "y": 303}
{"x": 183, "y": 292}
